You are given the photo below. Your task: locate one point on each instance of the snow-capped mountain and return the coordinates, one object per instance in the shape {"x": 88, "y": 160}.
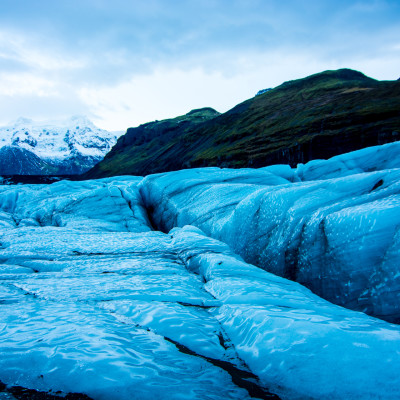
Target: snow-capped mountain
{"x": 72, "y": 146}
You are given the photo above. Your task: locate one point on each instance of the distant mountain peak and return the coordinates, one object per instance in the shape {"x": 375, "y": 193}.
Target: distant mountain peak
{"x": 341, "y": 77}
{"x": 204, "y": 110}
{"x": 73, "y": 145}
{"x": 344, "y": 73}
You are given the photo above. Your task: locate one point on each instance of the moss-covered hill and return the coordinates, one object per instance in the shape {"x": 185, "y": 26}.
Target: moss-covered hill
{"x": 320, "y": 116}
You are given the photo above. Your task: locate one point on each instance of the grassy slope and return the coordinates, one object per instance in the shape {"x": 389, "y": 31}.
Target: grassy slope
{"x": 316, "y": 117}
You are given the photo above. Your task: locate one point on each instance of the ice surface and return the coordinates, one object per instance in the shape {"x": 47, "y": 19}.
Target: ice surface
{"x": 103, "y": 205}
{"x": 337, "y": 236}
{"x": 94, "y": 313}
{"x": 370, "y": 159}
{"x": 122, "y": 315}
{"x": 299, "y": 345}
{"x": 98, "y": 303}
{"x": 79, "y": 347}
{"x": 93, "y": 300}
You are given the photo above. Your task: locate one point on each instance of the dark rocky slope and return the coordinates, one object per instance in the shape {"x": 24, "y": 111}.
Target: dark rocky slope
{"x": 320, "y": 116}
{"x": 19, "y": 161}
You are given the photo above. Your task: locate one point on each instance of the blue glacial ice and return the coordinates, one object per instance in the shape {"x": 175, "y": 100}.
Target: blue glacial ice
{"x": 339, "y": 236}
{"x": 94, "y": 301}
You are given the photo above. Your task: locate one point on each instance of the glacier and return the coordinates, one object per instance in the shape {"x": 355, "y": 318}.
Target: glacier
{"x": 168, "y": 286}
{"x": 337, "y": 236}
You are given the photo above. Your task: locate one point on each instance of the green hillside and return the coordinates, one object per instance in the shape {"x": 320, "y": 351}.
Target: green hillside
{"x": 320, "y": 116}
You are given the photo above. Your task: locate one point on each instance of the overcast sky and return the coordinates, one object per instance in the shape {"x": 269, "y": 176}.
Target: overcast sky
{"x": 123, "y": 62}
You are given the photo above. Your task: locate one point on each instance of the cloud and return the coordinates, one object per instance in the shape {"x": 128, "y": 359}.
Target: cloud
{"x": 128, "y": 62}
{"x": 30, "y": 52}
{"x": 168, "y": 92}
{"x": 40, "y": 108}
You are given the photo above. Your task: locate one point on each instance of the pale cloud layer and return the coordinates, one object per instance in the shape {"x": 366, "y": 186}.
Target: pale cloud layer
{"x": 125, "y": 63}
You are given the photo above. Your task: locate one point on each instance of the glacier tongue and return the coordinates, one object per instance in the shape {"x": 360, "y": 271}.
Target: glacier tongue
{"x": 92, "y": 300}
{"x": 337, "y": 236}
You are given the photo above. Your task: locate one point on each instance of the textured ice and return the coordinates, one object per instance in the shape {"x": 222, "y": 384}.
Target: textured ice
{"x": 93, "y": 300}
{"x": 80, "y": 347}
{"x": 298, "y": 344}
{"x": 337, "y": 236}
{"x": 89, "y": 306}
{"x": 370, "y": 159}
{"x": 121, "y": 315}
{"x": 103, "y": 205}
